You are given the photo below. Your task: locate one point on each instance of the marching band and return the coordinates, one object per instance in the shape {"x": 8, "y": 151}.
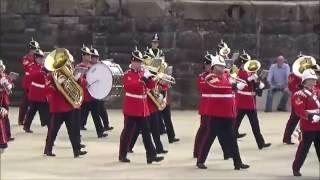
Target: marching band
{"x": 66, "y": 93}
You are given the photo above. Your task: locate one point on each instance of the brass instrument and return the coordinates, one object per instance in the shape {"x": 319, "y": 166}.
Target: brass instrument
{"x": 252, "y": 66}
{"x": 161, "y": 74}
{"x": 157, "y": 98}
{"x": 59, "y": 63}
{"x": 302, "y": 63}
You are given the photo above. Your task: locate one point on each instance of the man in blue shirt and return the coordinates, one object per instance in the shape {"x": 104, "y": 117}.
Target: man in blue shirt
{"x": 278, "y": 80}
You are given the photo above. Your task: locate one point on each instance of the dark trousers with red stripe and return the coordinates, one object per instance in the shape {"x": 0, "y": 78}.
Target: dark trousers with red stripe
{"x": 57, "y": 119}
{"x": 291, "y": 126}
{"x": 223, "y": 127}
{"x": 91, "y": 106}
{"x": 3, "y": 135}
{"x": 103, "y": 113}
{"x": 200, "y": 136}
{"x": 34, "y": 107}
{"x": 77, "y": 118}
{"x": 23, "y": 107}
{"x": 166, "y": 117}
{"x": 153, "y": 123}
{"x": 308, "y": 137}
{"x": 254, "y": 122}
{"x": 141, "y": 124}
{"x": 6, "y": 122}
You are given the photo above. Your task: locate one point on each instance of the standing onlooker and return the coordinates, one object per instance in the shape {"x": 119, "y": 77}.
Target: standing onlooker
{"x": 278, "y": 80}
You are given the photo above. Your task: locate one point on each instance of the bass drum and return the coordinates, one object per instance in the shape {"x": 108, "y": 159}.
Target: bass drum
{"x": 105, "y": 80}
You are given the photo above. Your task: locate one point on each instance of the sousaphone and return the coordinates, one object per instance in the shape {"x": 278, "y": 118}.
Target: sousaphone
{"x": 303, "y": 63}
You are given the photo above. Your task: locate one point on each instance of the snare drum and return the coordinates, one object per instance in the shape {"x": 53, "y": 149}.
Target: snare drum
{"x": 105, "y": 80}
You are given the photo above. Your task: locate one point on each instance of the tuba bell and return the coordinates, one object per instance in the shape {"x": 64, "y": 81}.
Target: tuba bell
{"x": 59, "y": 63}
{"x": 302, "y": 63}
{"x": 252, "y": 66}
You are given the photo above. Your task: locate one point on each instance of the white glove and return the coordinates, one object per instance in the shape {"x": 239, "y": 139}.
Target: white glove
{"x": 261, "y": 85}
{"x": 3, "y": 112}
{"x": 61, "y": 79}
{"x": 160, "y": 98}
{"x": 77, "y": 76}
{"x": 241, "y": 85}
{"x": 147, "y": 74}
{"x": 3, "y": 81}
{"x": 253, "y": 77}
{"x": 315, "y": 118}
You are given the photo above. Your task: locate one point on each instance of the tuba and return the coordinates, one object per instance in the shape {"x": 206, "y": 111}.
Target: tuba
{"x": 302, "y": 63}
{"x": 59, "y": 63}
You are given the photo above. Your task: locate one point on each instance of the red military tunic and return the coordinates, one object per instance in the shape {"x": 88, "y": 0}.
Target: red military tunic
{"x": 304, "y": 102}
{"x": 203, "y": 90}
{"x": 84, "y": 84}
{"x": 221, "y": 99}
{"x": 28, "y": 62}
{"x": 135, "y": 100}
{"x": 293, "y": 83}
{"x": 37, "y": 91}
{"x": 4, "y": 96}
{"x": 57, "y": 102}
{"x": 246, "y": 98}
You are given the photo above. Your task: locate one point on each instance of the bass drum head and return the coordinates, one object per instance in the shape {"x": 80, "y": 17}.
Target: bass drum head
{"x": 99, "y": 78}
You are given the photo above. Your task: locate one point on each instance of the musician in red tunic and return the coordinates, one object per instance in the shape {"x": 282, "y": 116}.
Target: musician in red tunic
{"x": 221, "y": 118}
{"x": 135, "y": 108}
{"x": 27, "y": 61}
{"x": 89, "y": 104}
{"x": 246, "y": 100}
{"x": 204, "y": 91}
{"x": 307, "y": 106}
{"x": 3, "y": 135}
{"x": 294, "y": 85}
{"x": 6, "y": 86}
{"x": 154, "y": 120}
{"x": 36, "y": 93}
{"x": 61, "y": 111}
{"x": 102, "y": 111}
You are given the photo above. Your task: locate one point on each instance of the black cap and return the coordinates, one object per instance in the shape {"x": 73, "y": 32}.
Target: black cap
{"x": 207, "y": 58}
{"x": 155, "y": 38}
{"x": 85, "y": 50}
{"x": 244, "y": 57}
{"x": 94, "y": 52}
{"x": 137, "y": 55}
{"x": 33, "y": 44}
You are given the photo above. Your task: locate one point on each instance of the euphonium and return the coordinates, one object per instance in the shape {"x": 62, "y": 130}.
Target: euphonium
{"x": 162, "y": 74}
{"x": 59, "y": 63}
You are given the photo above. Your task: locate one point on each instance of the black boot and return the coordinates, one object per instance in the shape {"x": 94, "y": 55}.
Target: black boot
{"x": 297, "y": 173}
{"x": 154, "y": 159}
{"x": 174, "y": 140}
{"x": 265, "y": 145}
{"x": 201, "y": 166}
{"x": 241, "y": 135}
{"x": 241, "y": 166}
{"x": 124, "y": 160}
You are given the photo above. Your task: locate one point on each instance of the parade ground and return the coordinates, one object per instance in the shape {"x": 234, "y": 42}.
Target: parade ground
{"x": 24, "y": 158}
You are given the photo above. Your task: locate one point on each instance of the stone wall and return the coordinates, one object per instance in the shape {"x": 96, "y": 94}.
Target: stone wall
{"x": 186, "y": 28}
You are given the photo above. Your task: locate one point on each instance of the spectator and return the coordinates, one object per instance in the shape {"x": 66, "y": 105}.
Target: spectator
{"x": 278, "y": 80}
